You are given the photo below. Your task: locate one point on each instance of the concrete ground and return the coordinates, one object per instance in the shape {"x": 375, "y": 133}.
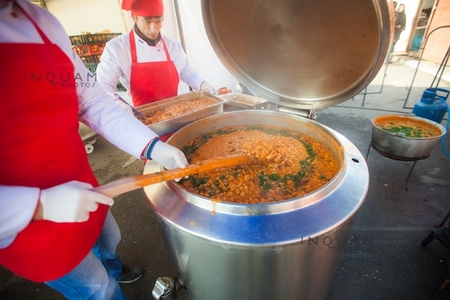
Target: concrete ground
{"x": 383, "y": 259}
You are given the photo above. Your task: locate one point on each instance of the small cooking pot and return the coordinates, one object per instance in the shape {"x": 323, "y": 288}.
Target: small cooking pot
{"x": 399, "y": 146}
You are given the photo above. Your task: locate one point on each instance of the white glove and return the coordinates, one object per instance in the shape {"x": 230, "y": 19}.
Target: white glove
{"x": 71, "y": 202}
{"x": 207, "y": 88}
{"x": 168, "y": 156}
{"x": 125, "y": 106}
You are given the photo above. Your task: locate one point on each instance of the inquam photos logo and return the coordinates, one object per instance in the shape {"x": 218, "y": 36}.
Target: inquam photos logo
{"x": 62, "y": 79}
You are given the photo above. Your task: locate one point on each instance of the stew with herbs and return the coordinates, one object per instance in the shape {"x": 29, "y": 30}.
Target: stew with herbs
{"x": 406, "y": 127}
{"x": 286, "y": 164}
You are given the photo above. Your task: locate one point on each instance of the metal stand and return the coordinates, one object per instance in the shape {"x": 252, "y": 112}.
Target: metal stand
{"x": 382, "y": 83}
{"x": 441, "y": 67}
{"x": 397, "y": 158}
{"x": 442, "y": 235}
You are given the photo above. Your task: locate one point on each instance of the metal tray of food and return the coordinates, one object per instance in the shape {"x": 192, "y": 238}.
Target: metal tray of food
{"x": 235, "y": 101}
{"x": 177, "y": 121}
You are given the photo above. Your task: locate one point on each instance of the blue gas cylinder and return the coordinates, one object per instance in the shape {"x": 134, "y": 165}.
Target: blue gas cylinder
{"x": 432, "y": 106}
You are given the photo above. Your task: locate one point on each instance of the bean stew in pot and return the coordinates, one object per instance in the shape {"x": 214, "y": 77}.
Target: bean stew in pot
{"x": 286, "y": 164}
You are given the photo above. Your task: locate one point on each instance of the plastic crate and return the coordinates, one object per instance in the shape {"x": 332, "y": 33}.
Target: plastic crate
{"x": 88, "y": 50}
{"x": 91, "y": 67}
{"x": 90, "y": 39}
{"x": 91, "y": 59}
{"x": 96, "y": 49}
{"x": 77, "y": 40}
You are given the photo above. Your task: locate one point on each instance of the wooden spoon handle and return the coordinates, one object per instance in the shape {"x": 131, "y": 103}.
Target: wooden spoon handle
{"x": 128, "y": 184}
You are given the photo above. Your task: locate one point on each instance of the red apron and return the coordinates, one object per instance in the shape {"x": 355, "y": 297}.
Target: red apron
{"x": 40, "y": 147}
{"x": 152, "y": 81}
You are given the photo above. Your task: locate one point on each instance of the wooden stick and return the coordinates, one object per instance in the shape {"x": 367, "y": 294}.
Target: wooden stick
{"x": 128, "y": 184}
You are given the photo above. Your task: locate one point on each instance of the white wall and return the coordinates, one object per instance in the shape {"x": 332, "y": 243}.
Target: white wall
{"x": 78, "y": 16}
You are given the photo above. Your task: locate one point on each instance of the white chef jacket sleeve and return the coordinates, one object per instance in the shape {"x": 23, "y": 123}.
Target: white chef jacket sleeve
{"x": 17, "y": 207}
{"x": 115, "y": 64}
{"x": 113, "y": 122}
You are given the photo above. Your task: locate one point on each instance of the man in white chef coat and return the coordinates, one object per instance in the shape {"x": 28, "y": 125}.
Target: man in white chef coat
{"x": 148, "y": 63}
{"x": 54, "y": 227}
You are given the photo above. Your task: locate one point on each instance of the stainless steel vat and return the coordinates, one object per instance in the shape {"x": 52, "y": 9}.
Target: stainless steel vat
{"x": 299, "y": 55}
{"x": 285, "y": 250}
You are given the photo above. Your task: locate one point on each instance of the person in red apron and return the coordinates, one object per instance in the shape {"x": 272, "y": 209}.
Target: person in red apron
{"x": 149, "y": 64}
{"x": 53, "y": 227}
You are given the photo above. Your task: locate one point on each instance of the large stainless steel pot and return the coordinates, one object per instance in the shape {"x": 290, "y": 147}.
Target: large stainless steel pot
{"x": 285, "y": 250}
{"x": 299, "y": 55}
{"x": 401, "y": 147}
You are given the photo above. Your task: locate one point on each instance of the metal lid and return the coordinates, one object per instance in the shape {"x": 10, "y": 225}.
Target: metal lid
{"x": 301, "y": 53}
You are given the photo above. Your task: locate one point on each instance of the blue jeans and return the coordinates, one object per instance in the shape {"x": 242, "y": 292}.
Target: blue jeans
{"x": 95, "y": 277}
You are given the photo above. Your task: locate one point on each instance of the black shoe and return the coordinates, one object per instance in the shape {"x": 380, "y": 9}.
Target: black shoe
{"x": 130, "y": 275}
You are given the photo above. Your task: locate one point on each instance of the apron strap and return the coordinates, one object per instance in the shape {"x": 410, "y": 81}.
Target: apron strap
{"x": 41, "y": 33}
{"x": 133, "y": 47}
{"x": 165, "y": 49}
{"x": 134, "y": 52}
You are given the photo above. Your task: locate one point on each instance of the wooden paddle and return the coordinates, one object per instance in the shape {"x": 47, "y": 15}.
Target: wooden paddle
{"x": 128, "y": 184}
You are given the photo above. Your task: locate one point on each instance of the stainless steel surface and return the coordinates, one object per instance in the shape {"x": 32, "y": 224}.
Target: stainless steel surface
{"x": 284, "y": 250}
{"x": 310, "y": 113}
{"x": 164, "y": 289}
{"x": 297, "y": 53}
{"x": 402, "y": 147}
{"x": 234, "y": 101}
{"x": 175, "y": 123}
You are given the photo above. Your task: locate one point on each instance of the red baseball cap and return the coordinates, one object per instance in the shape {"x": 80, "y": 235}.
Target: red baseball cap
{"x": 144, "y": 8}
